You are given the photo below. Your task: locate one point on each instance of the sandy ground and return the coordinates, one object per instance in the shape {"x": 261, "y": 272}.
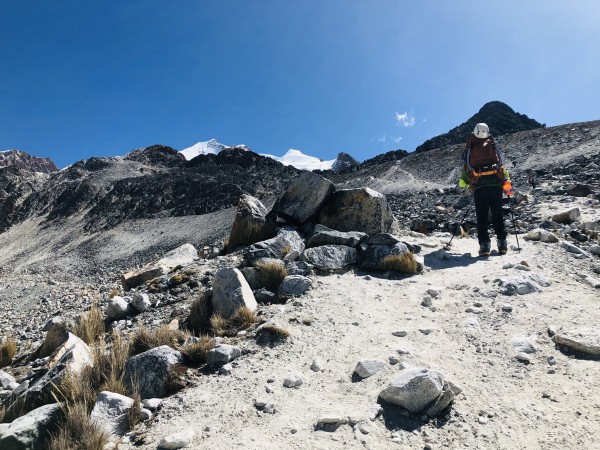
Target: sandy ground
{"x": 505, "y": 404}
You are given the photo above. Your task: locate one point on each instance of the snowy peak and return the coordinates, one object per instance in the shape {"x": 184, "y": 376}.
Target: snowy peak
{"x": 301, "y": 161}
{"x": 212, "y": 147}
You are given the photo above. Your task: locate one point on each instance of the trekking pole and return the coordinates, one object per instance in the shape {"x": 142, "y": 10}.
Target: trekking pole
{"x": 460, "y": 224}
{"x": 514, "y": 223}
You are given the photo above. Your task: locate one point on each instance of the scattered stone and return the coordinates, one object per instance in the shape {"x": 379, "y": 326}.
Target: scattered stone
{"x": 393, "y": 360}
{"x": 7, "y": 381}
{"x": 524, "y": 344}
{"x": 152, "y": 403}
{"x": 427, "y": 301}
{"x": 292, "y": 381}
{"x": 315, "y": 366}
{"x": 136, "y": 277}
{"x": 585, "y": 340}
{"x": 263, "y": 295}
{"x": 141, "y": 302}
{"x": 117, "y": 308}
{"x": 434, "y": 292}
{"x": 570, "y": 216}
{"x": 399, "y": 333}
{"x": 294, "y": 286}
{"x": 177, "y": 440}
{"x": 222, "y": 354}
{"x": 368, "y": 367}
{"x": 523, "y": 357}
{"x": 571, "y": 248}
{"x": 507, "y": 307}
{"x": 331, "y": 420}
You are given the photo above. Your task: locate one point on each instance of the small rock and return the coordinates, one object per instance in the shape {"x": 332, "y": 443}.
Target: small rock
{"x": 315, "y": 366}
{"x": 177, "y": 440}
{"x": 292, "y": 381}
{"x": 523, "y": 357}
{"x": 400, "y": 333}
{"x": 368, "y": 367}
{"x": 427, "y": 301}
{"x": 507, "y": 307}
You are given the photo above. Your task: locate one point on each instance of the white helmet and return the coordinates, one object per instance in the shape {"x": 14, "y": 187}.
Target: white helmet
{"x": 481, "y": 131}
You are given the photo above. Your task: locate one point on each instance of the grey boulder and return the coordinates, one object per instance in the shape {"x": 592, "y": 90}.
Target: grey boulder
{"x": 368, "y": 367}
{"x": 151, "y": 371}
{"x": 249, "y": 225}
{"x": 293, "y": 286}
{"x": 414, "y": 389}
{"x": 361, "y": 209}
{"x": 286, "y": 240}
{"x": 110, "y": 413}
{"x": 141, "y": 302}
{"x": 31, "y": 431}
{"x": 330, "y": 257}
{"x": 304, "y": 197}
{"x": 566, "y": 217}
{"x": 222, "y": 354}
{"x": 231, "y": 292}
{"x": 323, "y": 235}
{"x": 372, "y": 257}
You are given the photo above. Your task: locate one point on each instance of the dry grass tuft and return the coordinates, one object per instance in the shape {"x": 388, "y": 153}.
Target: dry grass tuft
{"x": 8, "y": 350}
{"x": 113, "y": 293}
{"x": 404, "y": 263}
{"x": 219, "y": 324}
{"x": 134, "y": 414}
{"x": 2, "y": 412}
{"x": 271, "y": 274}
{"x": 195, "y": 353}
{"x": 243, "y": 318}
{"x": 200, "y": 312}
{"x": 143, "y": 339}
{"x": 286, "y": 249}
{"x": 78, "y": 432}
{"x": 247, "y": 234}
{"x": 90, "y": 325}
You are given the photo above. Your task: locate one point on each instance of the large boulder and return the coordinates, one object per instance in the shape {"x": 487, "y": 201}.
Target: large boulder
{"x": 357, "y": 210}
{"x": 304, "y": 197}
{"x": 231, "y": 292}
{"x": 152, "y": 371}
{"x": 372, "y": 257}
{"x": 110, "y": 413}
{"x": 585, "y": 340}
{"x": 7, "y": 381}
{"x": 136, "y": 277}
{"x": 323, "y": 235}
{"x": 286, "y": 240}
{"x": 73, "y": 355}
{"x": 31, "y": 431}
{"x": 330, "y": 257}
{"x": 249, "y": 225}
{"x": 57, "y": 334}
{"x": 414, "y": 389}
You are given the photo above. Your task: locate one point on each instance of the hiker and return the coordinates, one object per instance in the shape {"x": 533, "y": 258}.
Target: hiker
{"x": 485, "y": 177}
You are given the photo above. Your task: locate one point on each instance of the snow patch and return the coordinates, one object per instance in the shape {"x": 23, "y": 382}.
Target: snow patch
{"x": 301, "y": 161}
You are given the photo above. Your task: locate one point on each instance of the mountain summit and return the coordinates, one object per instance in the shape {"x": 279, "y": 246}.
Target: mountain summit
{"x": 26, "y": 161}
{"x": 500, "y": 117}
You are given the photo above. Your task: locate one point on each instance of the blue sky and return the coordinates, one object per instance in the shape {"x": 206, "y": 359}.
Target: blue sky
{"x": 100, "y": 78}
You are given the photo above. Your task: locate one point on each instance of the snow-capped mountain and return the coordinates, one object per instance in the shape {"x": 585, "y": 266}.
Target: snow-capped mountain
{"x": 293, "y": 157}
{"x": 301, "y": 161}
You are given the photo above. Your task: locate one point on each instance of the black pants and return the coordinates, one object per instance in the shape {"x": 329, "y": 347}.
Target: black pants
{"x": 489, "y": 198}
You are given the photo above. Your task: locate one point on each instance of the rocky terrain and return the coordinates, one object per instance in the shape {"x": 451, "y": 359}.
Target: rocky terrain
{"x": 26, "y": 161}
{"x": 510, "y": 344}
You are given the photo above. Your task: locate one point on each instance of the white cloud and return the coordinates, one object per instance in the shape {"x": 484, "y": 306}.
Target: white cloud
{"x": 387, "y": 138}
{"x": 397, "y": 139}
{"x": 382, "y": 138}
{"x": 405, "y": 119}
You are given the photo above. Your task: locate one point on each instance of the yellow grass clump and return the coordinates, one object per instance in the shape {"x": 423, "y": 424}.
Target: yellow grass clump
{"x": 404, "y": 263}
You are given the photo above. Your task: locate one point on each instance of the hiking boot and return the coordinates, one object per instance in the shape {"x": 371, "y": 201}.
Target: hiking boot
{"x": 485, "y": 248}
{"x": 502, "y": 246}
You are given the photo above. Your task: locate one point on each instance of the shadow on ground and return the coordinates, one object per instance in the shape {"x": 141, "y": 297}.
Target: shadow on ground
{"x": 397, "y": 418}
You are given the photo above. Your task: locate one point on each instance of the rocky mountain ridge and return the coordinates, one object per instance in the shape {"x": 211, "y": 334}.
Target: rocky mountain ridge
{"x": 26, "y": 161}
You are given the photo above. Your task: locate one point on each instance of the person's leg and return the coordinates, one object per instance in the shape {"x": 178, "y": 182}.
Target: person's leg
{"x": 482, "y": 207}
{"x": 495, "y": 202}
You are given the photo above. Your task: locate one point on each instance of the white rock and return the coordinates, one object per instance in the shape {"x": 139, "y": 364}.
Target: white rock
{"x": 117, "y": 308}
{"x": 152, "y": 403}
{"x": 315, "y": 366}
{"x": 368, "y": 367}
{"x": 230, "y": 292}
{"x": 524, "y": 344}
{"x": 586, "y": 340}
{"x": 414, "y": 389}
{"x": 435, "y": 292}
{"x": 177, "y": 440}
{"x": 110, "y": 413}
{"x": 222, "y": 354}
{"x": 292, "y": 381}
{"x": 7, "y": 381}
{"x": 141, "y": 302}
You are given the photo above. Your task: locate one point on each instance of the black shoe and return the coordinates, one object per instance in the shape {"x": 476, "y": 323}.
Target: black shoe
{"x": 502, "y": 246}
{"x": 485, "y": 248}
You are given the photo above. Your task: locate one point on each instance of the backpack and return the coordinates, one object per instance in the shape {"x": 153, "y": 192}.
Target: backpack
{"x": 482, "y": 158}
